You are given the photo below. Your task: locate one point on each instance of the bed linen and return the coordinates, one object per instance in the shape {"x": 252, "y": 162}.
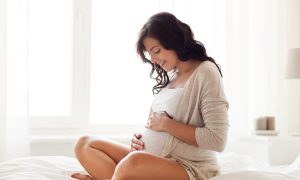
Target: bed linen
{"x": 39, "y": 168}
{"x": 233, "y": 167}
{"x": 242, "y": 167}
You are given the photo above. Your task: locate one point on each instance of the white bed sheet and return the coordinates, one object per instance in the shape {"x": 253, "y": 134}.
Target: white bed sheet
{"x": 233, "y": 166}
{"x": 242, "y": 167}
{"x": 39, "y": 168}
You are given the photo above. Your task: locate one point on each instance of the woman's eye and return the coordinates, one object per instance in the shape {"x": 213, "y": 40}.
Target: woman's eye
{"x": 156, "y": 51}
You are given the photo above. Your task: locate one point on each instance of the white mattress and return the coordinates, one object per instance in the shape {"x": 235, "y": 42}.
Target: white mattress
{"x": 233, "y": 166}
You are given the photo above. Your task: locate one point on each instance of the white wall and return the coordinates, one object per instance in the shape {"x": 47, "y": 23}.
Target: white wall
{"x": 61, "y": 146}
{"x": 53, "y": 148}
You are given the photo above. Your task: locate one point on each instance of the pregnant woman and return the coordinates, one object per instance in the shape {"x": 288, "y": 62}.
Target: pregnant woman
{"x": 188, "y": 120}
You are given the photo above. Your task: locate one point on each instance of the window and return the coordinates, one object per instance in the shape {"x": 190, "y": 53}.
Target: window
{"x": 78, "y": 57}
{"x": 82, "y": 61}
{"x": 120, "y": 84}
{"x": 50, "y": 57}
{"x": 56, "y": 83}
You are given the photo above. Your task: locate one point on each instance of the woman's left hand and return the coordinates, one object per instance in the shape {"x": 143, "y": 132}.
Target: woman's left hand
{"x": 157, "y": 121}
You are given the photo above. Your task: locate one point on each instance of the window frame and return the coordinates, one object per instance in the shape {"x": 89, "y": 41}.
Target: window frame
{"x": 79, "y": 119}
{"x": 80, "y": 74}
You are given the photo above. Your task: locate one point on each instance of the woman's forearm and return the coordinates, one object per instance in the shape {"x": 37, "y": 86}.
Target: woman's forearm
{"x": 181, "y": 131}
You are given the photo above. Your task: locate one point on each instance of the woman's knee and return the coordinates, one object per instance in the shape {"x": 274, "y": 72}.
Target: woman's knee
{"x": 128, "y": 167}
{"x": 81, "y": 144}
{"x": 85, "y": 142}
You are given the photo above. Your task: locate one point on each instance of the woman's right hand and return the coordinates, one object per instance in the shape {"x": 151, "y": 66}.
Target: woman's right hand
{"x": 136, "y": 143}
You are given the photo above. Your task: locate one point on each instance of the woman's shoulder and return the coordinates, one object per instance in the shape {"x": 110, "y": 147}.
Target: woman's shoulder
{"x": 207, "y": 69}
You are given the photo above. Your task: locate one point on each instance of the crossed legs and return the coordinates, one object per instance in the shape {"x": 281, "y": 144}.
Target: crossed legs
{"x": 99, "y": 157}
{"x": 104, "y": 159}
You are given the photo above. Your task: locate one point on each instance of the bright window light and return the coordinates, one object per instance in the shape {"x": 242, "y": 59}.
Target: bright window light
{"x": 120, "y": 83}
{"x": 49, "y": 57}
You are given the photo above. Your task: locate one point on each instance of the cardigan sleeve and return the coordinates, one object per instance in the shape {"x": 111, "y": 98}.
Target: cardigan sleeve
{"x": 213, "y": 107}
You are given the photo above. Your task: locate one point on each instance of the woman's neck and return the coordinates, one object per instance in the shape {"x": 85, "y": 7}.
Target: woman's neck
{"x": 187, "y": 66}
{"x": 183, "y": 72}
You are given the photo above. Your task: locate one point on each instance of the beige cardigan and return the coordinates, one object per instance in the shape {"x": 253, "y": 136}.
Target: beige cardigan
{"x": 203, "y": 104}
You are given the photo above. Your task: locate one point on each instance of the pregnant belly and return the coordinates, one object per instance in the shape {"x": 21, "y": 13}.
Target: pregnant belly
{"x": 153, "y": 141}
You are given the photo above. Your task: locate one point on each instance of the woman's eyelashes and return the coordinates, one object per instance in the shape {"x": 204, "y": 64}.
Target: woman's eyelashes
{"x": 148, "y": 55}
{"x": 156, "y": 51}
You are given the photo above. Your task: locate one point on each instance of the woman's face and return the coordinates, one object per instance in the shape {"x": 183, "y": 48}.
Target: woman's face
{"x": 166, "y": 59}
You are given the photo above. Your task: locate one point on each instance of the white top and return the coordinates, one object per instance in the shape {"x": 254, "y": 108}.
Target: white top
{"x": 167, "y": 101}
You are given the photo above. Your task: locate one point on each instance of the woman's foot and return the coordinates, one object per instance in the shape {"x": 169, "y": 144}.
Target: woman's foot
{"x": 81, "y": 176}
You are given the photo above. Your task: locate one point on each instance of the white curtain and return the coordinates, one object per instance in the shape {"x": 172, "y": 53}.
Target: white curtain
{"x": 254, "y": 61}
{"x": 247, "y": 38}
{"x": 291, "y": 87}
{"x": 2, "y": 77}
{"x": 14, "y": 128}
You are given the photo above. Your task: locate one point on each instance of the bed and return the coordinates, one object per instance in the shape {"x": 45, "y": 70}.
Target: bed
{"x": 233, "y": 166}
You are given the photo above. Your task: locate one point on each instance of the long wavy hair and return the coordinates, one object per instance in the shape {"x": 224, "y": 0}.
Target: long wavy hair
{"x": 172, "y": 35}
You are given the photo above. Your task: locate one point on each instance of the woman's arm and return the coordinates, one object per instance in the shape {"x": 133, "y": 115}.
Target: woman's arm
{"x": 213, "y": 110}
{"x": 161, "y": 121}
{"x": 136, "y": 143}
{"x": 184, "y": 132}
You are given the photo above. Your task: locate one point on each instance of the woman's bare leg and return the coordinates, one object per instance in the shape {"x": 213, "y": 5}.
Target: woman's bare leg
{"x": 99, "y": 157}
{"x": 145, "y": 166}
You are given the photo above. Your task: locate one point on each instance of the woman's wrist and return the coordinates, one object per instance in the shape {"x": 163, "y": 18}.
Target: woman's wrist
{"x": 167, "y": 124}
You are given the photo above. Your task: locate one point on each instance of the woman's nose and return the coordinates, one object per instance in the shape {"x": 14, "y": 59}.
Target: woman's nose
{"x": 153, "y": 59}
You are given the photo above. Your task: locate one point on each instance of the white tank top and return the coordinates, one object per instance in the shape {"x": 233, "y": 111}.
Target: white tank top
{"x": 167, "y": 101}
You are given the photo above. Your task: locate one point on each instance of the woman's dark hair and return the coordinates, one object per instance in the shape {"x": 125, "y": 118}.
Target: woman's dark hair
{"x": 172, "y": 35}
